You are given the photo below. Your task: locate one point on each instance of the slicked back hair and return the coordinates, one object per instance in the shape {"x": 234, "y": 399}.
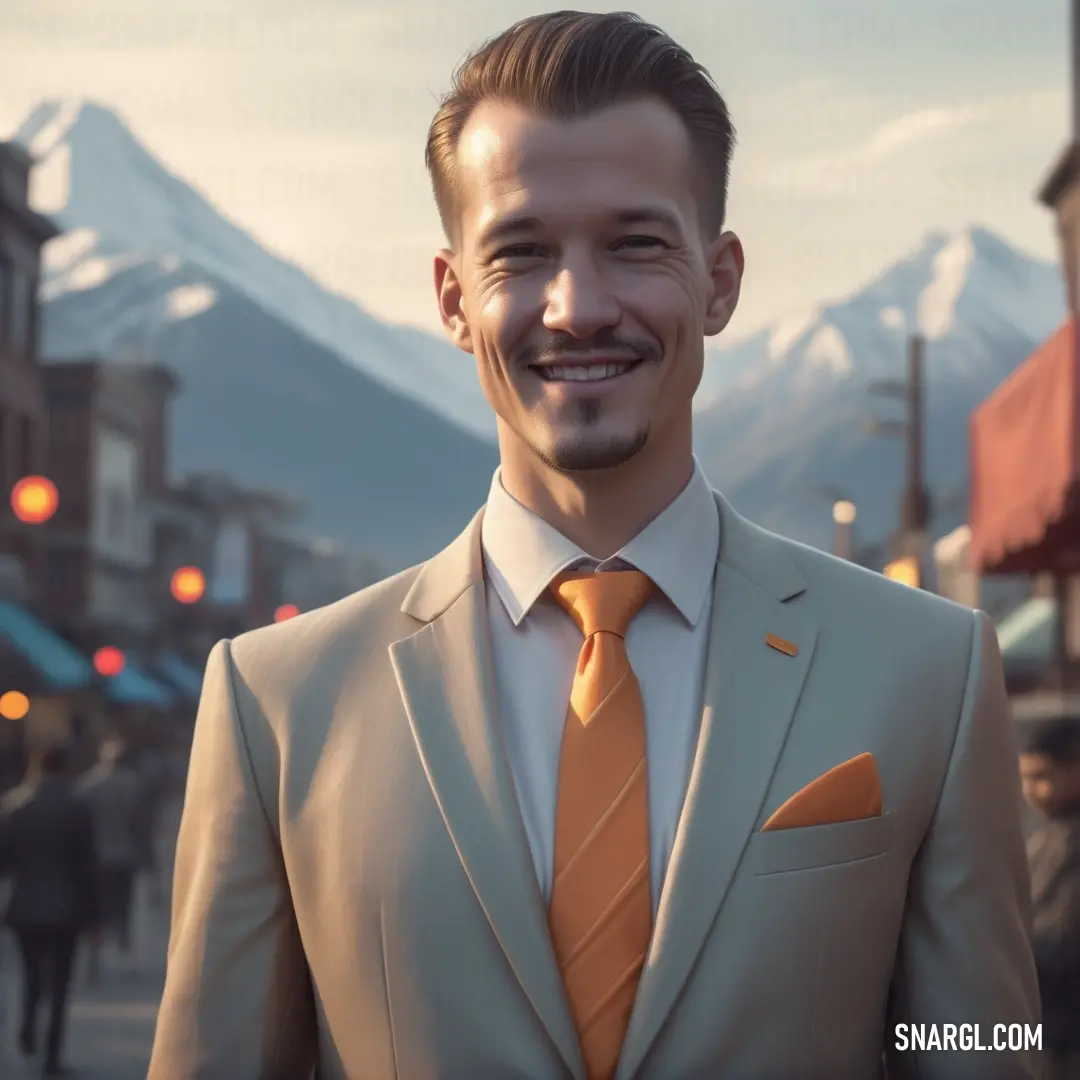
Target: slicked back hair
{"x": 570, "y": 64}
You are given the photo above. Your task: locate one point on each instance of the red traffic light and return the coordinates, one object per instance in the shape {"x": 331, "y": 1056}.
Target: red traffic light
{"x": 109, "y": 660}
{"x": 286, "y": 611}
{"x": 34, "y": 499}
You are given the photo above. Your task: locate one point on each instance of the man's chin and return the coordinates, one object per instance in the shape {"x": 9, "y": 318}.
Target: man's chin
{"x": 592, "y": 454}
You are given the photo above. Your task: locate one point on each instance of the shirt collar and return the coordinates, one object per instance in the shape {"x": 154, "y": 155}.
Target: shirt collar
{"x": 677, "y": 549}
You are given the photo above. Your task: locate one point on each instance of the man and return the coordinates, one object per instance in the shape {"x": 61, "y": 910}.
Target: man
{"x": 525, "y": 810}
{"x": 1050, "y": 769}
{"x": 114, "y": 795}
{"x": 47, "y": 853}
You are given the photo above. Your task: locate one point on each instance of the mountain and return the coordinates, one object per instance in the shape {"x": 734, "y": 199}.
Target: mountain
{"x": 127, "y": 207}
{"x": 147, "y": 268}
{"x": 781, "y": 429}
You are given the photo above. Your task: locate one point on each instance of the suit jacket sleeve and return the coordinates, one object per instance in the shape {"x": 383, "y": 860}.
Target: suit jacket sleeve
{"x": 965, "y": 955}
{"x": 237, "y": 1000}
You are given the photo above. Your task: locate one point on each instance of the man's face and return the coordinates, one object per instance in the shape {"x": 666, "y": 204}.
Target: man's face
{"x": 583, "y": 279}
{"x": 1051, "y": 787}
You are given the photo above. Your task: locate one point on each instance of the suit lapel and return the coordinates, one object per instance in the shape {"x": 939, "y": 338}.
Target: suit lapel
{"x": 445, "y": 677}
{"x": 751, "y": 693}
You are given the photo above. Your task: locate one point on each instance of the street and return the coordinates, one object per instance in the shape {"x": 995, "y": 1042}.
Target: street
{"x": 111, "y": 1025}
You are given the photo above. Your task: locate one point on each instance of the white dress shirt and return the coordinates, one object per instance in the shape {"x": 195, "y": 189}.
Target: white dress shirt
{"x": 535, "y": 646}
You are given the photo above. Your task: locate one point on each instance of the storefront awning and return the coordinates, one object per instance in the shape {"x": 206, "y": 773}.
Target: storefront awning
{"x": 180, "y": 675}
{"x": 1025, "y": 466}
{"x": 1026, "y": 635}
{"x": 133, "y": 686}
{"x": 60, "y": 665}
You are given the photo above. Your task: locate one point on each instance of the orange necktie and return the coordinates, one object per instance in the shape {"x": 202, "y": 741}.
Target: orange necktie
{"x": 601, "y": 904}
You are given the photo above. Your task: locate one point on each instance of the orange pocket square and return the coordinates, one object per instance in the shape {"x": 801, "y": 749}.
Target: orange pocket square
{"x": 849, "y": 791}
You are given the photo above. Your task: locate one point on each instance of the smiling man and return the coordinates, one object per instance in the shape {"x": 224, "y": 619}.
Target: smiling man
{"x": 618, "y": 786}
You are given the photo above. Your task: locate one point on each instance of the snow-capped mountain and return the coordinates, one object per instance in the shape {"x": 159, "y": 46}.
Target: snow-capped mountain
{"x": 962, "y": 291}
{"x": 783, "y": 422}
{"x": 124, "y": 209}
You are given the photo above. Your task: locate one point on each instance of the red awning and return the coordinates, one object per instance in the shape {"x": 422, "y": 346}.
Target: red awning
{"x": 1024, "y": 515}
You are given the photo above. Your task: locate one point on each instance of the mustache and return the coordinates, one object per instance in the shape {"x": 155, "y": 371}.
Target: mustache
{"x": 563, "y": 348}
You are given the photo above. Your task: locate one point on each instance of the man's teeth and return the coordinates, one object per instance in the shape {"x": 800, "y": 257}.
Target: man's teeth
{"x": 586, "y": 372}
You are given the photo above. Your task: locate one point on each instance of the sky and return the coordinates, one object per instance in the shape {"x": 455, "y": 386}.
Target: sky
{"x": 862, "y": 124}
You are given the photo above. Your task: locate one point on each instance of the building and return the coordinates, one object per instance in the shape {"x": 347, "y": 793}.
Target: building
{"x": 23, "y": 421}
{"x": 311, "y": 574}
{"x": 98, "y": 551}
{"x": 241, "y": 558}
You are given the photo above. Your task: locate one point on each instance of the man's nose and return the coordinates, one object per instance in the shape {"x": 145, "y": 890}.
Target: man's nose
{"x": 580, "y": 302}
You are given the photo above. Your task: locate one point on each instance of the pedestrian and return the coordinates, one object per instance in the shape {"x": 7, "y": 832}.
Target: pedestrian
{"x": 617, "y": 783}
{"x": 115, "y": 797}
{"x": 1050, "y": 768}
{"x": 47, "y": 852}
{"x": 151, "y": 765}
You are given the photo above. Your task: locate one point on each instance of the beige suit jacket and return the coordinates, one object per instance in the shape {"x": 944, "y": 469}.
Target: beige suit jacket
{"x": 354, "y": 889}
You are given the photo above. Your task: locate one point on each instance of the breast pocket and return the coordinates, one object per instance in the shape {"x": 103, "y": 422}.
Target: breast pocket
{"x": 781, "y": 850}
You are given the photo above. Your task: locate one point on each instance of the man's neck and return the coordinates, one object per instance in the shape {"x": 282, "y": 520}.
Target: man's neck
{"x": 599, "y": 510}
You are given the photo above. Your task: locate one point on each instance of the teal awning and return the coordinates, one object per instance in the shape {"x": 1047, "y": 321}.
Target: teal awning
{"x": 1027, "y": 633}
{"x": 182, "y": 676}
{"x": 59, "y": 664}
{"x": 133, "y": 686}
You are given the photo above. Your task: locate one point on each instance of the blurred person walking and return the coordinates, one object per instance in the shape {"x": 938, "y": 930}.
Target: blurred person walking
{"x": 47, "y": 853}
{"x": 114, "y": 794}
{"x": 155, "y": 775}
{"x": 1050, "y": 768}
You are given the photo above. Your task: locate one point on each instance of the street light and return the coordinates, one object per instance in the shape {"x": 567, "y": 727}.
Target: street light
{"x": 34, "y": 499}
{"x": 905, "y": 571}
{"x": 844, "y": 514}
{"x": 14, "y": 705}
{"x": 109, "y": 661}
{"x": 188, "y": 585}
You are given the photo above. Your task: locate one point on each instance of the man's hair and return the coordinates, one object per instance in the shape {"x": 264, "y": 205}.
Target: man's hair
{"x": 1059, "y": 740}
{"x": 569, "y": 64}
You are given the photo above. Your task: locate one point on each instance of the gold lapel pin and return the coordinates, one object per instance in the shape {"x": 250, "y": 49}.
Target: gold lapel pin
{"x": 780, "y": 645}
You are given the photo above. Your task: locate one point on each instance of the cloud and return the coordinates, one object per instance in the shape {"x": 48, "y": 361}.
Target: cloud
{"x": 920, "y": 147}
{"x": 911, "y": 129}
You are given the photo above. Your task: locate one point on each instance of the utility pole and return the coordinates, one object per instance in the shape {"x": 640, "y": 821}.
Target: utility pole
{"x": 913, "y": 539}
{"x": 915, "y": 511}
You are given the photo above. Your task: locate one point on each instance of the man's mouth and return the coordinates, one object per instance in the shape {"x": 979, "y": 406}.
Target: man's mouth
{"x": 584, "y": 372}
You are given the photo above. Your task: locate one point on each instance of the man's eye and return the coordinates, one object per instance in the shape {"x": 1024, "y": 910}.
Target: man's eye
{"x": 640, "y": 242}
{"x": 517, "y": 251}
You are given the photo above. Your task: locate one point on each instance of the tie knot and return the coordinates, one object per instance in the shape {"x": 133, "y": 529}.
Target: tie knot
{"x": 604, "y": 601}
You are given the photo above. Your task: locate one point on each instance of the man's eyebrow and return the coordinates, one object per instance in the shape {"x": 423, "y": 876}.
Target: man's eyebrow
{"x": 649, "y": 215}
{"x": 514, "y": 225}
{"x": 517, "y": 224}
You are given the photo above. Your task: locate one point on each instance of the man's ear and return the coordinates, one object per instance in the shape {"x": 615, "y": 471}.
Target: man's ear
{"x": 448, "y": 293}
{"x": 725, "y": 266}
